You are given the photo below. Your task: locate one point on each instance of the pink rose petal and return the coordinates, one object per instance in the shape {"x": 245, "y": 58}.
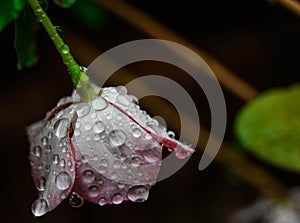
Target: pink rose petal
{"x": 105, "y": 151}
{"x": 52, "y": 160}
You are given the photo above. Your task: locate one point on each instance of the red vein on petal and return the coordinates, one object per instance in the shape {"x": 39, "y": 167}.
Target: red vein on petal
{"x": 175, "y": 145}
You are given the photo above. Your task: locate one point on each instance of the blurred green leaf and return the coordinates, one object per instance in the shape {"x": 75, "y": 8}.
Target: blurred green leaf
{"x": 25, "y": 44}
{"x": 269, "y": 127}
{"x": 9, "y": 10}
{"x": 64, "y": 3}
{"x": 87, "y": 13}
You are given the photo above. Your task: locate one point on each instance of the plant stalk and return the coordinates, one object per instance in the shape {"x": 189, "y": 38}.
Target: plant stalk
{"x": 79, "y": 78}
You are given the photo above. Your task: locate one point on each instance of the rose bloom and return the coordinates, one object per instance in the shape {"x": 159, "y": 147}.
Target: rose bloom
{"x": 104, "y": 151}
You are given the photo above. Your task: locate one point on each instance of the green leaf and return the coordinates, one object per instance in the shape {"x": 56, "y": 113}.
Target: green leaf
{"x": 25, "y": 44}
{"x": 9, "y": 10}
{"x": 269, "y": 127}
{"x": 64, "y": 3}
{"x": 87, "y": 13}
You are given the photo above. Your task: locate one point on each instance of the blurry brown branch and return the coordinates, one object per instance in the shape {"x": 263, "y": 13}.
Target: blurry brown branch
{"x": 156, "y": 30}
{"x": 292, "y": 5}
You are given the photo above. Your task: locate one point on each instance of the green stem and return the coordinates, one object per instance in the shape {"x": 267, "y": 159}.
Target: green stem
{"x": 79, "y": 78}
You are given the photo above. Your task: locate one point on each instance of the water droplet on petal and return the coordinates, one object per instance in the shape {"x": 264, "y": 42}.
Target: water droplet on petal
{"x": 114, "y": 176}
{"x": 123, "y": 156}
{"x": 37, "y": 151}
{"x": 77, "y": 133}
{"x": 96, "y": 137}
{"x": 138, "y": 193}
{"x": 171, "y": 134}
{"x": 93, "y": 191}
{"x": 121, "y": 89}
{"x": 104, "y": 162}
{"x": 88, "y": 176}
{"x": 41, "y": 184}
{"x": 63, "y": 181}
{"x": 50, "y": 135}
{"x": 45, "y": 141}
{"x": 117, "y": 164}
{"x": 63, "y": 196}
{"x": 137, "y": 133}
{"x": 95, "y": 157}
{"x": 62, "y": 163}
{"x": 99, "y": 127}
{"x": 47, "y": 167}
{"x": 85, "y": 158}
{"x": 135, "y": 161}
{"x": 102, "y": 169}
{"x": 61, "y": 127}
{"x": 182, "y": 152}
{"x": 122, "y": 99}
{"x": 99, "y": 104}
{"x": 48, "y": 148}
{"x": 64, "y": 149}
{"x": 87, "y": 126}
{"x": 121, "y": 184}
{"x": 40, "y": 166}
{"x": 152, "y": 122}
{"x": 117, "y": 137}
{"x": 102, "y": 201}
{"x": 55, "y": 159}
{"x": 108, "y": 116}
{"x": 76, "y": 200}
{"x": 117, "y": 198}
{"x": 148, "y": 136}
{"x": 83, "y": 110}
{"x": 139, "y": 173}
{"x": 124, "y": 166}
{"x": 39, "y": 207}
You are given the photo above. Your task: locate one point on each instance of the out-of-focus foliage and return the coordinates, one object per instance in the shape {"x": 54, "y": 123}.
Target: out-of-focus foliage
{"x": 64, "y": 3}
{"x": 269, "y": 127}
{"x": 10, "y": 10}
{"x": 83, "y": 11}
{"x": 87, "y": 13}
{"x": 25, "y": 44}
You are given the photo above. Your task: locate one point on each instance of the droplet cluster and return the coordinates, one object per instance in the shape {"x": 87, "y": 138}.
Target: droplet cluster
{"x": 51, "y": 158}
{"x": 105, "y": 151}
{"x": 114, "y": 155}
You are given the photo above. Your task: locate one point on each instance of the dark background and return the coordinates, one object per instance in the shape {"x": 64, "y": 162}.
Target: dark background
{"x": 258, "y": 41}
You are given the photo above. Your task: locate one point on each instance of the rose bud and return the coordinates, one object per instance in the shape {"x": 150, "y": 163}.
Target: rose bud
{"x": 104, "y": 151}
